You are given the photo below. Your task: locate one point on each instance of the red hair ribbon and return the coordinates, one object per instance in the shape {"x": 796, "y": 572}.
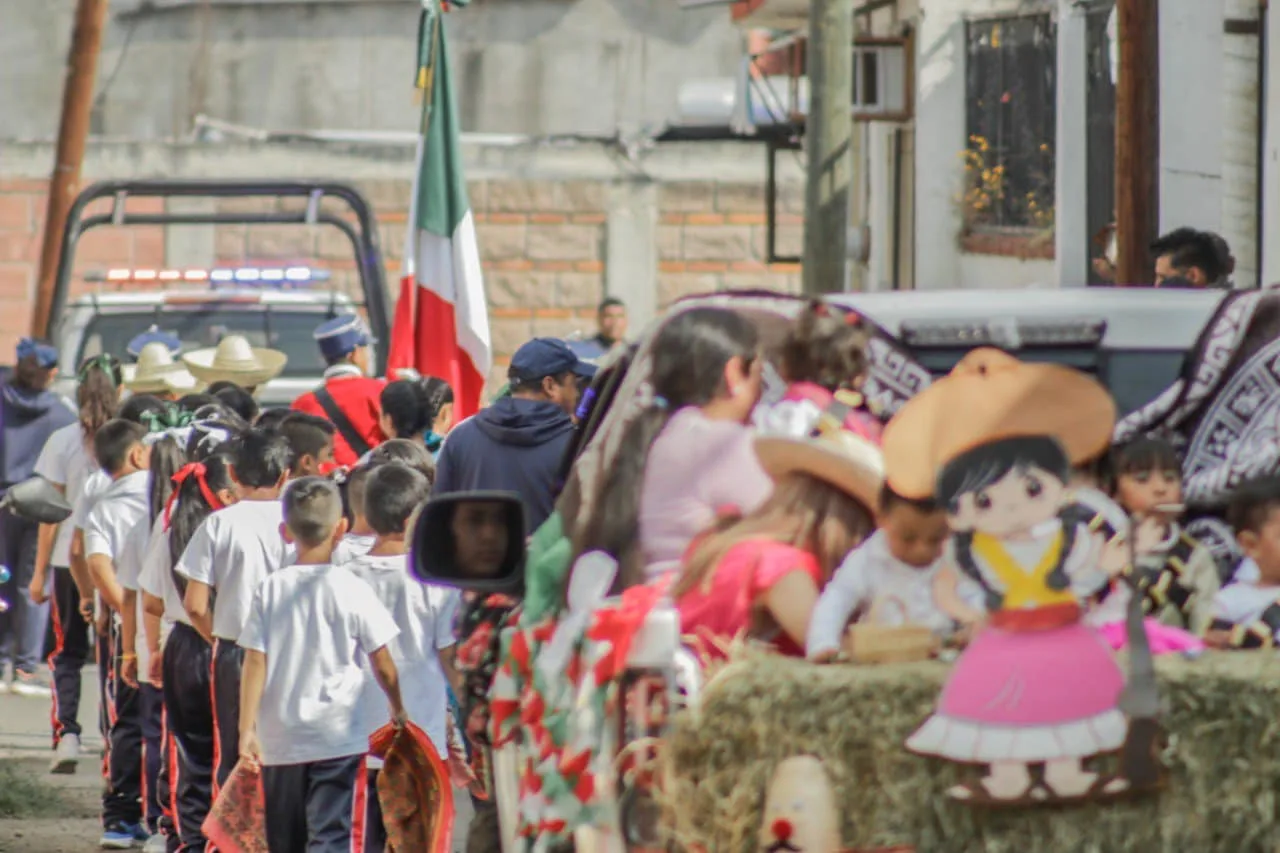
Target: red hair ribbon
{"x": 198, "y": 470}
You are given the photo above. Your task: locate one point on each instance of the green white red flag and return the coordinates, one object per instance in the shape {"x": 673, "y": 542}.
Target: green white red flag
{"x": 441, "y": 325}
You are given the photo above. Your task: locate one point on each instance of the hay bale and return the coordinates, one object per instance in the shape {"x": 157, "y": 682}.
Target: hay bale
{"x": 1223, "y": 719}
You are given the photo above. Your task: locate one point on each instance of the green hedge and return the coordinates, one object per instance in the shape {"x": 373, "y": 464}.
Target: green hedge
{"x": 1223, "y": 720}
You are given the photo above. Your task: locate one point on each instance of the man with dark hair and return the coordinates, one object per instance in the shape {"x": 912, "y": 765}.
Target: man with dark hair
{"x": 516, "y": 444}
{"x": 236, "y": 399}
{"x": 349, "y": 398}
{"x": 312, "y": 442}
{"x": 29, "y": 414}
{"x": 611, "y": 330}
{"x": 1190, "y": 258}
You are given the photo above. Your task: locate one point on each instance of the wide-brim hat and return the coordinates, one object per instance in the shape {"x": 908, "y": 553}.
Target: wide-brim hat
{"x": 989, "y": 396}
{"x": 838, "y": 457}
{"x": 157, "y": 372}
{"x": 234, "y": 360}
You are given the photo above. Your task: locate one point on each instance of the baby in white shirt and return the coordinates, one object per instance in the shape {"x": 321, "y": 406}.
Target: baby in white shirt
{"x": 898, "y": 565}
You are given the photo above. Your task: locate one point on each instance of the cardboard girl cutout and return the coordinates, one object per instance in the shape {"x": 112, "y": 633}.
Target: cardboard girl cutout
{"x": 1037, "y": 692}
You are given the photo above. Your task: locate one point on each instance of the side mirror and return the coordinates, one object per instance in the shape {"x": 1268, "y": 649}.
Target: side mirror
{"x": 36, "y": 499}
{"x": 471, "y": 540}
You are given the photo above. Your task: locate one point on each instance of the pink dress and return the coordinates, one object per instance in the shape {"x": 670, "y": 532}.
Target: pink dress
{"x": 696, "y": 467}
{"x": 1038, "y": 684}
{"x": 746, "y": 572}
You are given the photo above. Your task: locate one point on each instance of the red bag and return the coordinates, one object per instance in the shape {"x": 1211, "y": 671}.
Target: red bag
{"x": 414, "y": 791}
{"x": 237, "y": 823}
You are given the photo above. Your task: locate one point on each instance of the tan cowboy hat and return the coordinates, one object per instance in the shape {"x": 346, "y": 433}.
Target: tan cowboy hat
{"x": 836, "y": 456}
{"x": 990, "y": 396}
{"x": 234, "y": 360}
{"x": 157, "y": 373}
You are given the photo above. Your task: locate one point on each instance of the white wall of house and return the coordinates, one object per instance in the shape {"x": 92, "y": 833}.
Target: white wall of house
{"x": 940, "y": 142}
{"x": 1271, "y": 159}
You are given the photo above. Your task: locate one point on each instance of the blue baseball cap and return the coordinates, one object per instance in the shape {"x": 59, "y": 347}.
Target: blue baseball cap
{"x": 341, "y": 336}
{"x": 153, "y": 336}
{"x": 45, "y": 354}
{"x": 547, "y": 357}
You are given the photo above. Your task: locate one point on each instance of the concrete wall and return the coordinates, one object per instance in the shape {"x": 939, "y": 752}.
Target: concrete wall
{"x": 940, "y": 260}
{"x": 592, "y": 67}
{"x": 558, "y": 226}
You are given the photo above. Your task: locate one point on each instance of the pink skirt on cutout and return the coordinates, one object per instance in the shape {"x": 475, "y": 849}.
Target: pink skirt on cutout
{"x": 1163, "y": 639}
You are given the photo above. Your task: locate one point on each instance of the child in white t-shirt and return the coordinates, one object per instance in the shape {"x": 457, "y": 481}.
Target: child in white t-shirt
{"x": 110, "y": 523}
{"x": 424, "y": 613}
{"x": 303, "y": 715}
{"x": 1246, "y": 613}
{"x": 360, "y": 537}
{"x": 229, "y": 556}
{"x": 898, "y": 565}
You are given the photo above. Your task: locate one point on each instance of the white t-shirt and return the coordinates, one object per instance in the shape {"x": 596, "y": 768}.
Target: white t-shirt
{"x": 128, "y": 573}
{"x": 870, "y": 574}
{"x": 424, "y": 614}
{"x": 1244, "y": 603}
{"x": 353, "y": 545}
{"x": 157, "y": 580}
{"x": 112, "y": 517}
{"x": 233, "y": 551}
{"x": 66, "y": 460}
{"x": 316, "y": 625}
{"x": 81, "y": 503}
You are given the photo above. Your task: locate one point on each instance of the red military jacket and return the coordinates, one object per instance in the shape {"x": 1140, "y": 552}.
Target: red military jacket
{"x": 359, "y": 398}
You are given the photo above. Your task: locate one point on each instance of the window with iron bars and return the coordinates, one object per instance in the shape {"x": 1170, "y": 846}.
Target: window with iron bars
{"x": 1011, "y": 119}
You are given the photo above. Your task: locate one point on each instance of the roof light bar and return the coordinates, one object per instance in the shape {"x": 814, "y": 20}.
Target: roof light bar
{"x": 271, "y": 276}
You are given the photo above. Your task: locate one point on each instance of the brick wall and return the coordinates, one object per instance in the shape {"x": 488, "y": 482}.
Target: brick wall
{"x": 542, "y": 244}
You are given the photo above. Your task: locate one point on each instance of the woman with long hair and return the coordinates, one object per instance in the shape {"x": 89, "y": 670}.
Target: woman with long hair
{"x": 67, "y": 461}
{"x": 196, "y": 489}
{"x": 689, "y": 453}
{"x": 760, "y": 574}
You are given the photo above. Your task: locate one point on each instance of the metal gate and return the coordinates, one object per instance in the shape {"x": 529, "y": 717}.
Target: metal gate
{"x": 1100, "y": 112}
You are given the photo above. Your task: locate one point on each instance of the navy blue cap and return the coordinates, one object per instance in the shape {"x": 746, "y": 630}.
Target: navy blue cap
{"x": 154, "y": 336}
{"x": 547, "y": 357}
{"x": 45, "y": 354}
{"x": 341, "y": 336}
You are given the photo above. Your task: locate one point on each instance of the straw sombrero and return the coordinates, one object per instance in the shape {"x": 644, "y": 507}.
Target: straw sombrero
{"x": 990, "y": 396}
{"x": 838, "y": 457}
{"x": 234, "y": 360}
{"x": 157, "y": 372}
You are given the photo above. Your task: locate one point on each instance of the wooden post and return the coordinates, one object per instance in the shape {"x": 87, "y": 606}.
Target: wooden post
{"x": 73, "y": 132}
{"x": 1137, "y": 140}
{"x": 828, "y": 138}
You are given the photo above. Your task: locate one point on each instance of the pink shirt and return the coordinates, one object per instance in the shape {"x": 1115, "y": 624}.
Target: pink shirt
{"x": 696, "y": 466}
{"x": 746, "y": 572}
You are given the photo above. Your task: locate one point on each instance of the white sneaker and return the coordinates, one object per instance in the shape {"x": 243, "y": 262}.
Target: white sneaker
{"x": 26, "y": 684}
{"x": 67, "y": 756}
{"x": 156, "y": 844}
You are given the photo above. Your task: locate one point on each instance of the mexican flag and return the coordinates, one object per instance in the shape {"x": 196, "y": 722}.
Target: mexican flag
{"x": 441, "y": 326}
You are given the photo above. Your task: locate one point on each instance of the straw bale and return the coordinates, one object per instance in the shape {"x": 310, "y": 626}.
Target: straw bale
{"x": 1222, "y": 716}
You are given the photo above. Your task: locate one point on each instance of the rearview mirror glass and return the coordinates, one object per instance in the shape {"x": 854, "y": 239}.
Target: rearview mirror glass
{"x": 473, "y": 541}
{"x": 36, "y": 499}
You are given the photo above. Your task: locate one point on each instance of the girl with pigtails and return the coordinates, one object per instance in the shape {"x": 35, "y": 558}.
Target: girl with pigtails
{"x": 191, "y": 479}
{"x": 1036, "y": 692}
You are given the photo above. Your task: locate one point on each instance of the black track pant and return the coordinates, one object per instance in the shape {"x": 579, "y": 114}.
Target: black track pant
{"x": 71, "y": 648}
{"x": 375, "y": 831}
{"x": 228, "y": 658}
{"x": 318, "y": 807}
{"x": 188, "y": 703}
{"x": 151, "y": 708}
{"x": 122, "y": 799}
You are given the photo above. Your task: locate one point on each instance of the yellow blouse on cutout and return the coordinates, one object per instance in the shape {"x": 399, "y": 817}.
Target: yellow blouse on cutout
{"x": 1022, "y": 589}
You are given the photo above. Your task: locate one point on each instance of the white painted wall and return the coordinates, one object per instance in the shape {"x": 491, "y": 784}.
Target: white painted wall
{"x": 984, "y": 271}
{"x": 1271, "y": 159}
{"x": 1071, "y": 192}
{"x": 1240, "y": 129}
{"x": 1191, "y": 100}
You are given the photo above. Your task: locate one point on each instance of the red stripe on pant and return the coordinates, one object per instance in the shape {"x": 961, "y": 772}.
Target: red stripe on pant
{"x": 359, "y": 807}
{"x": 213, "y": 701}
{"x": 59, "y": 640}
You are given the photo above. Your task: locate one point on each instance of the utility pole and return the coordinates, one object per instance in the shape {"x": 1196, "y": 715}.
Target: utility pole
{"x": 1137, "y": 140}
{"x": 73, "y": 132}
{"x": 828, "y": 137}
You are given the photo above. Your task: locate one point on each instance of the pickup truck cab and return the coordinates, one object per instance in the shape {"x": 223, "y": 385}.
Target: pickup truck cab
{"x": 277, "y": 304}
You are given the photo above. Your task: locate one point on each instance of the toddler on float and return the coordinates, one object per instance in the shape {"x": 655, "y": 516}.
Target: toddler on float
{"x": 1246, "y": 613}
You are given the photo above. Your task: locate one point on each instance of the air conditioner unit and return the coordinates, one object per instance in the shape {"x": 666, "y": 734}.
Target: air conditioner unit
{"x": 881, "y": 79}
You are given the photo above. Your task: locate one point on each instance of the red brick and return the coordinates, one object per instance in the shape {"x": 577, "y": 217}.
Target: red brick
{"x": 15, "y": 316}
{"x": 15, "y": 281}
{"x": 18, "y": 246}
{"x": 22, "y": 185}
{"x": 15, "y": 212}
{"x": 589, "y": 218}
{"x": 589, "y": 266}
{"x": 704, "y": 219}
{"x": 148, "y": 247}
{"x": 708, "y": 266}
{"x": 506, "y": 218}
{"x": 548, "y": 218}
{"x": 105, "y": 246}
{"x": 671, "y": 266}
